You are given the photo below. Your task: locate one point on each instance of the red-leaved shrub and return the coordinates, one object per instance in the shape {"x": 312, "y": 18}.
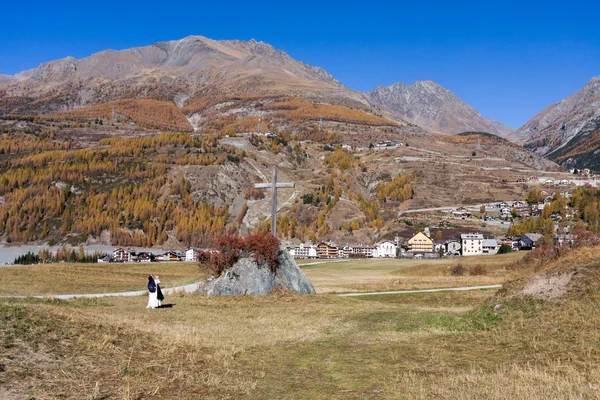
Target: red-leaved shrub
{"x": 264, "y": 248}
{"x": 543, "y": 255}
{"x": 587, "y": 238}
{"x": 204, "y": 257}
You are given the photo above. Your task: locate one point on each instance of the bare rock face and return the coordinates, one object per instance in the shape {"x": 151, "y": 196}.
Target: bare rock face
{"x": 249, "y": 277}
{"x": 566, "y": 131}
{"x": 433, "y": 107}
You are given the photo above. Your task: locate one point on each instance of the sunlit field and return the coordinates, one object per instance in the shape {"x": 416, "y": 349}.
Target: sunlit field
{"x": 74, "y": 278}
{"x": 449, "y": 345}
{"x": 397, "y": 274}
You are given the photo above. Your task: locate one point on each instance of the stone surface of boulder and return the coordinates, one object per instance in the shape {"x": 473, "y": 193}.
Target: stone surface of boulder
{"x": 249, "y": 277}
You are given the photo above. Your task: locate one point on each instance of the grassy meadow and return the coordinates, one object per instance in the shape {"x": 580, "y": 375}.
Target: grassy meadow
{"x": 75, "y": 278}
{"x": 375, "y": 275}
{"x": 448, "y": 345}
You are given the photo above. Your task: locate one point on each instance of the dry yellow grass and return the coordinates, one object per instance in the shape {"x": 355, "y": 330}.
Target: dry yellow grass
{"x": 434, "y": 345}
{"x": 392, "y": 274}
{"x": 73, "y": 278}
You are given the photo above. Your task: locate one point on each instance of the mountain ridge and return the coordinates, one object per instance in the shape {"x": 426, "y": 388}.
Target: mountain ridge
{"x": 563, "y": 130}
{"x": 196, "y": 66}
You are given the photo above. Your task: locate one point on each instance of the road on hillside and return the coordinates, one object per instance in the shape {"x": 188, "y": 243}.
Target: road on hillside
{"x": 470, "y": 207}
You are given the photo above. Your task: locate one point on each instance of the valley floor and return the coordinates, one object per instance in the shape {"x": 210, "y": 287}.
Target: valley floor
{"x": 442, "y": 345}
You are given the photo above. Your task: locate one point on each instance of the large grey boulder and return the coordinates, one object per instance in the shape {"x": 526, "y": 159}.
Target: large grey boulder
{"x": 249, "y": 277}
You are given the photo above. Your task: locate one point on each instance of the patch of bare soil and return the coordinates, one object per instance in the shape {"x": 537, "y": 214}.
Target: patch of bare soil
{"x": 549, "y": 286}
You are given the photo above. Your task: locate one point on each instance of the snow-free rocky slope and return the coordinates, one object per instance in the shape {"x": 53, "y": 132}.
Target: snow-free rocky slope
{"x": 433, "y": 107}
{"x": 568, "y": 131}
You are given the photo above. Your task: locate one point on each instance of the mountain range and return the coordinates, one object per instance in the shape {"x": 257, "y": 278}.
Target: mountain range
{"x": 197, "y": 66}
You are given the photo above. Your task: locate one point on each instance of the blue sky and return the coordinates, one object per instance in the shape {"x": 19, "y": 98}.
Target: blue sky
{"x": 507, "y": 59}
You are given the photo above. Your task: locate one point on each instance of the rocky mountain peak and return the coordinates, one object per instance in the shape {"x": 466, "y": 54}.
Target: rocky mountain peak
{"x": 566, "y": 130}
{"x": 433, "y": 107}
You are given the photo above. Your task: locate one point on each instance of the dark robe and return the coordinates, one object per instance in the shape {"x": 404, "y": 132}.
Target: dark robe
{"x": 159, "y": 294}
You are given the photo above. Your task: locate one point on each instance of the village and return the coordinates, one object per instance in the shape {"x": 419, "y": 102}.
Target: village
{"x": 424, "y": 244}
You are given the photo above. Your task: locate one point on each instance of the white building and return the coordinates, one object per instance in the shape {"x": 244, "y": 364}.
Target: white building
{"x": 472, "y": 244}
{"x": 453, "y": 248}
{"x": 304, "y": 250}
{"x": 385, "y": 250}
{"x": 359, "y": 251}
{"x": 191, "y": 255}
{"x": 490, "y": 246}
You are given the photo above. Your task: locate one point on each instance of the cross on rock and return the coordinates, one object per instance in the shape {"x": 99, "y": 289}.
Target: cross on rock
{"x": 273, "y": 186}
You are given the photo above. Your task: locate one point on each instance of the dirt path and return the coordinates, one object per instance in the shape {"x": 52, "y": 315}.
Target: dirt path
{"x": 454, "y": 289}
{"x": 192, "y": 287}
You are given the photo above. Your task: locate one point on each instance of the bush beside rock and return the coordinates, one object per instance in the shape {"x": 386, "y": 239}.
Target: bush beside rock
{"x": 249, "y": 276}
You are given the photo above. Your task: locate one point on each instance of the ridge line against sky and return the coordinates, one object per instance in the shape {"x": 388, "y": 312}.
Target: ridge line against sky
{"x": 506, "y": 59}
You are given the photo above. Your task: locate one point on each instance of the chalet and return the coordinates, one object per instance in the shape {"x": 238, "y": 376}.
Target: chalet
{"x": 503, "y": 205}
{"x": 564, "y": 182}
{"x": 145, "y": 257}
{"x": 490, "y": 246}
{"x": 505, "y": 212}
{"x": 304, "y": 250}
{"x": 548, "y": 182}
{"x": 168, "y": 256}
{"x": 385, "y": 250}
{"x": 124, "y": 255}
{"x": 327, "y": 250}
{"x": 191, "y": 254}
{"x": 471, "y": 244}
{"x": 420, "y": 243}
{"x": 529, "y": 240}
{"x": 359, "y": 251}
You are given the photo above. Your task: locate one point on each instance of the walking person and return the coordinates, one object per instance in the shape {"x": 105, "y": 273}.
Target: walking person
{"x": 159, "y": 294}
{"x": 152, "y": 299}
